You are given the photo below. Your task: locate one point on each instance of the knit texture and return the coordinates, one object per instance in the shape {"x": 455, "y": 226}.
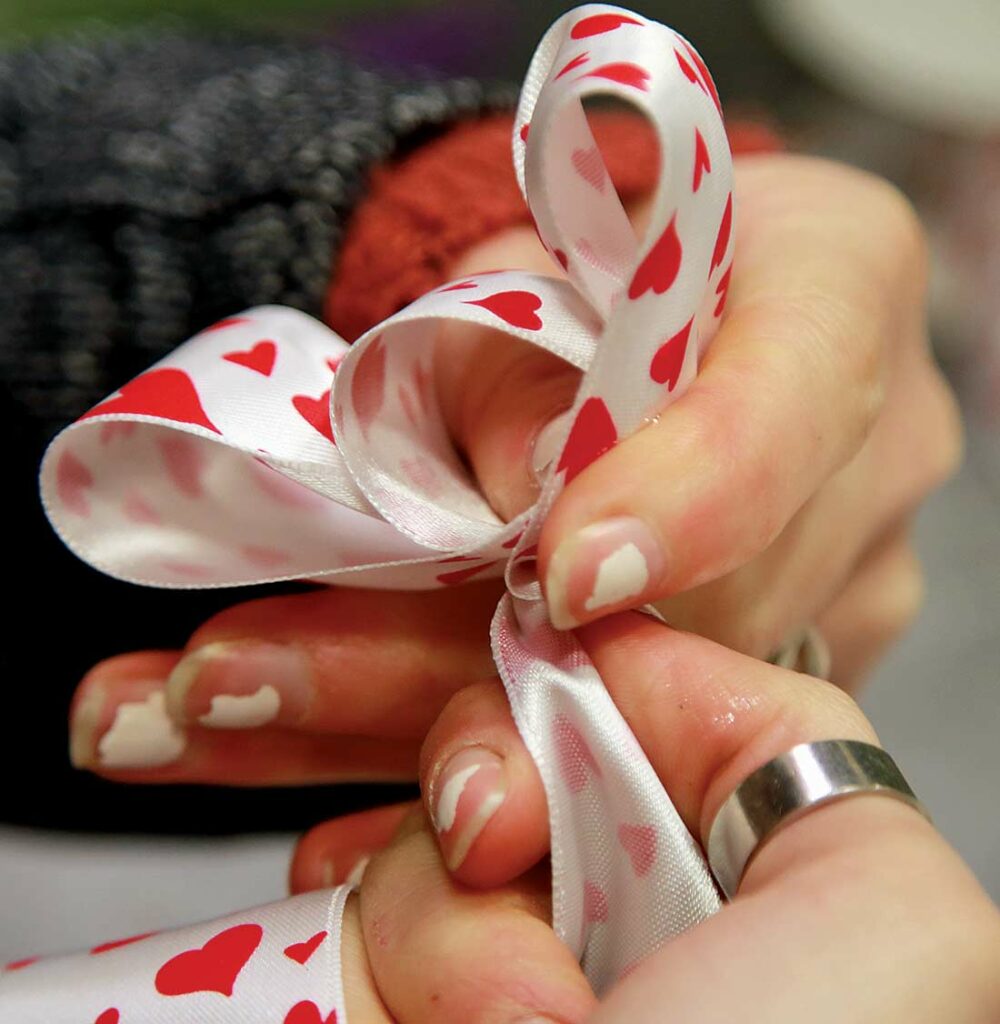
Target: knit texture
{"x": 151, "y": 183}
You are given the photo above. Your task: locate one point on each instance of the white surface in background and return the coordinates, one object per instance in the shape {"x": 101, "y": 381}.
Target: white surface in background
{"x": 60, "y": 893}
{"x": 924, "y": 60}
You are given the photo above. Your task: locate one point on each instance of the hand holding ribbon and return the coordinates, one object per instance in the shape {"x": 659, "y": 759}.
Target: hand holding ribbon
{"x": 237, "y": 460}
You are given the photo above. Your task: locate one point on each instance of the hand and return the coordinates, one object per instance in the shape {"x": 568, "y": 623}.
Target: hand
{"x": 418, "y": 947}
{"x": 858, "y": 911}
{"x": 779, "y": 490}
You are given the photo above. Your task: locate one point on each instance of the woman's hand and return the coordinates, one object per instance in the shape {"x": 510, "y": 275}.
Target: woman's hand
{"x": 858, "y": 911}
{"x": 779, "y": 490}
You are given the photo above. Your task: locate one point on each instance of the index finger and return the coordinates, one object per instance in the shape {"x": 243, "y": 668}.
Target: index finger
{"x": 828, "y": 269}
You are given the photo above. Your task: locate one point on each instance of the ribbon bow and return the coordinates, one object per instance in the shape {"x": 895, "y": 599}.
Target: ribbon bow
{"x": 267, "y": 449}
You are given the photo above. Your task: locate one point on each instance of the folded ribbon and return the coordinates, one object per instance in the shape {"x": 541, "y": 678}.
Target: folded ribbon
{"x": 265, "y": 448}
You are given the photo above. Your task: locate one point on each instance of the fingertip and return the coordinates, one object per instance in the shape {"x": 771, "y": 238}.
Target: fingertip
{"x": 337, "y": 852}
{"x": 482, "y": 791}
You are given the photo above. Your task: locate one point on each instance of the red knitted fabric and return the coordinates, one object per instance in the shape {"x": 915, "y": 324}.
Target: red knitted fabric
{"x": 425, "y": 209}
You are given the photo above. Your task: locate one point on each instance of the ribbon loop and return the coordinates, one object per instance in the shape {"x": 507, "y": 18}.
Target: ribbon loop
{"x": 267, "y": 449}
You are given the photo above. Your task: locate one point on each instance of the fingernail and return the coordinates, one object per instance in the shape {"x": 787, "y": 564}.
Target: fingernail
{"x": 547, "y": 444}
{"x": 467, "y": 793}
{"x": 128, "y": 734}
{"x": 607, "y": 566}
{"x": 240, "y": 685}
{"x": 357, "y": 873}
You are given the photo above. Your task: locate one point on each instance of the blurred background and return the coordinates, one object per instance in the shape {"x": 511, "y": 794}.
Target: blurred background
{"x": 908, "y": 88}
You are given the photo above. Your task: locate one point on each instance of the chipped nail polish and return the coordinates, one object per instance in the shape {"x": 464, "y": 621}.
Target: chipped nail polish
{"x": 467, "y": 793}
{"x": 141, "y": 735}
{"x": 240, "y": 685}
{"x": 607, "y": 566}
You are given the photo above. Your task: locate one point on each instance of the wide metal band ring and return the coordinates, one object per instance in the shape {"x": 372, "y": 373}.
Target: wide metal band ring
{"x": 783, "y": 790}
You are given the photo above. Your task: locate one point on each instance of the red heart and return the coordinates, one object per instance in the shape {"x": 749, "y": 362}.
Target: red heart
{"x": 593, "y": 433}
{"x": 19, "y": 965}
{"x": 232, "y": 321}
{"x": 307, "y": 1012}
{"x": 316, "y": 412}
{"x": 666, "y": 365}
{"x": 562, "y": 258}
{"x": 260, "y": 358}
{"x": 598, "y": 24}
{"x": 368, "y": 384}
{"x": 722, "y": 290}
{"x": 185, "y": 462}
{"x": 301, "y": 951}
{"x": 461, "y": 286}
{"x": 212, "y": 968}
{"x": 576, "y": 62}
{"x": 722, "y": 241}
{"x": 595, "y": 903}
{"x": 106, "y": 947}
{"x": 689, "y": 72}
{"x": 624, "y": 74}
{"x": 639, "y": 842}
{"x": 702, "y": 161}
{"x": 73, "y": 480}
{"x": 519, "y": 309}
{"x": 659, "y": 269}
{"x": 525, "y": 128}
{"x": 168, "y": 394}
{"x": 110, "y": 1016}
{"x": 706, "y": 76}
{"x": 589, "y": 165}
{"x": 576, "y": 762}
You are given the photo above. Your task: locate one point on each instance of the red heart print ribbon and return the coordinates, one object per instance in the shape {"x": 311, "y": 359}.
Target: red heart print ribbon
{"x": 265, "y": 449}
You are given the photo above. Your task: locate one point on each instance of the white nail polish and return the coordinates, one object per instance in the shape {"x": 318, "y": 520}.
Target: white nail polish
{"x": 451, "y": 793}
{"x": 621, "y": 575}
{"x": 247, "y": 712}
{"x": 141, "y": 736}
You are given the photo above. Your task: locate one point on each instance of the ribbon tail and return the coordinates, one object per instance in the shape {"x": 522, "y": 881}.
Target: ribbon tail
{"x": 604, "y": 879}
{"x": 279, "y": 963}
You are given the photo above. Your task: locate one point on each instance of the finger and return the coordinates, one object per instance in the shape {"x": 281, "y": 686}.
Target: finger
{"x": 499, "y": 393}
{"x": 835, "y": 918}
{"x": 876, "y": 607}
{"x": 361, "y": 997}
{"x": 914, "y": 448}
{"x": 338, "y": 851}
{"x": 445, "y": 953}
{"x": 482, "y": 790}
{"x": 120, "y": 729}
{"x": 361, "y": 663}
{"x": 787, "y": 394}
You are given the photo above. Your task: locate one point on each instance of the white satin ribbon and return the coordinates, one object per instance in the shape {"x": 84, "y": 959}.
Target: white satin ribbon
{"x": 267, "y": 449}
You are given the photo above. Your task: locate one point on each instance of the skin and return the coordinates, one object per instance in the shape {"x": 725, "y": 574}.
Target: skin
{"x": 856, "y": 912}
{"x": 820, "y": 415}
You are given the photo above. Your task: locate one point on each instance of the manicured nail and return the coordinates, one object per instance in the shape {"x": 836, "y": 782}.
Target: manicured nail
{"x": 607, "y": 566}
{"x": 357, "y": 873}
{"x": 467, "y": 793}
{"x": 141, "y": 735}
{"x": 240, "y": 685}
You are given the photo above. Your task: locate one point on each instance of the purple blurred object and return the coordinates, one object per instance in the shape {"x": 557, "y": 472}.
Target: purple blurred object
{"x": 454, "y": 38}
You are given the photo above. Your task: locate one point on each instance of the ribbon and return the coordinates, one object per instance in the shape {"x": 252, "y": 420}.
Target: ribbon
{"x": 268, "y": 449}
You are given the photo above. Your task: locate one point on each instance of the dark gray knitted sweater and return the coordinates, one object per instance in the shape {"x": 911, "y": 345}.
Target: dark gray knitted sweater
{"x": 150, "y": 184}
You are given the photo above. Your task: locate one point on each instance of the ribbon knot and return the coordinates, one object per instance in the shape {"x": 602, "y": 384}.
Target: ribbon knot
{"x": 266, "y": 448}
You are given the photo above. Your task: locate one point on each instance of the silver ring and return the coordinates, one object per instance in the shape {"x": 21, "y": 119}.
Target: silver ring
{"x": 783, "y": 790}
